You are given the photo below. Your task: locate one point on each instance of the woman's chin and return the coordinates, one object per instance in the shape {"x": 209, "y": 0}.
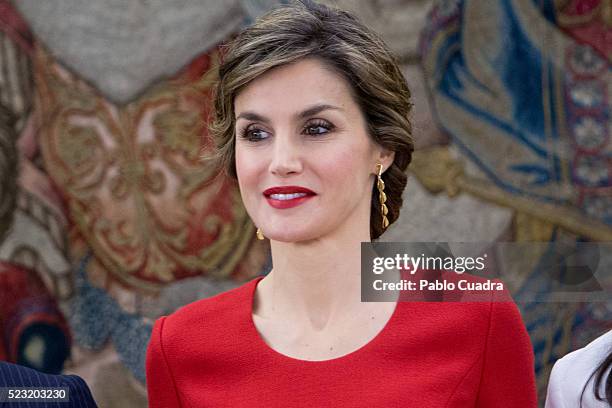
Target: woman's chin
{"x": 292, "y": 236}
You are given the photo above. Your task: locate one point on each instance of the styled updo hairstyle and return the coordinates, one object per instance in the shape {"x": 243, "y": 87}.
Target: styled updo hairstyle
{"x": 307, "y": 29}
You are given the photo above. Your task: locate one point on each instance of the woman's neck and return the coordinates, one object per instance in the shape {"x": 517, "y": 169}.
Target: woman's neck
{"x": 315, "y": 281}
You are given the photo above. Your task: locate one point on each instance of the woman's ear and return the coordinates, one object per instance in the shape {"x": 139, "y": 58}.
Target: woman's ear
{"x": 386, "y": 157}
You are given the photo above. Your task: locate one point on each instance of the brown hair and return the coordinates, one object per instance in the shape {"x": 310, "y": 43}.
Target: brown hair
{"x": 344, "y": 44}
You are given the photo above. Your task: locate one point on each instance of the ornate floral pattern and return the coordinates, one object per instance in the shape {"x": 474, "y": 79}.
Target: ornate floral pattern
{"x": 132, "y": 177}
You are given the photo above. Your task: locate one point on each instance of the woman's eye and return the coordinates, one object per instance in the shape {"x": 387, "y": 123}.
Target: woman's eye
{"x": 318, "y": 128}
{"x": 253, "y": 135}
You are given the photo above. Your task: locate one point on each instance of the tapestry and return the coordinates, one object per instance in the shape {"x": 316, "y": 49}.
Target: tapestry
{"x": 522, "y": 87}
{"x": 109, "y": 217}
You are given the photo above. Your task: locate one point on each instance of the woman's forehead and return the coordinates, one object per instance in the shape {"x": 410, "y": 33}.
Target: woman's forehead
{"x": 294, "y": 86}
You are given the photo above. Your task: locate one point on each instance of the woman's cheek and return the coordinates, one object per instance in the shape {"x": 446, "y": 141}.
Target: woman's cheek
{"x": 344, "y": 164}
{"x": 245, "y": 182}
{"x": 247, "y": 167}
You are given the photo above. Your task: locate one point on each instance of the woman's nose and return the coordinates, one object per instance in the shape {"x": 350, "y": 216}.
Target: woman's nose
{"x": 286, "y": 157}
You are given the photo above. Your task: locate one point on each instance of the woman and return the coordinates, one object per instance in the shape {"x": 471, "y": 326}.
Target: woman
{"x": 583, "y": 378}
{"x": 311, "y": 118}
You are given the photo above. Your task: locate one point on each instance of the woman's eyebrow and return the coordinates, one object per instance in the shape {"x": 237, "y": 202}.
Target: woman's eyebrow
{"x": 313, "y": 110}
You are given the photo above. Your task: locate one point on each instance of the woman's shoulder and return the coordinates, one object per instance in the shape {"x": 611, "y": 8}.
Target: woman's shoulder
{"x": 588, "y": 356}
{"x": 208, "y": 313}
{"x": 571, "y": 372}
{"x": 469, "y": 305}
{"x": 594, "y": 349}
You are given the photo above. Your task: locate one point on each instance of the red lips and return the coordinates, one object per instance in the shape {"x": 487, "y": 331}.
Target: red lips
{"x": 287, "y": 190}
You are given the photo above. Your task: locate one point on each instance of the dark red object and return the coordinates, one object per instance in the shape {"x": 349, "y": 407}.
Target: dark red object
{"x": 24, "y": 301}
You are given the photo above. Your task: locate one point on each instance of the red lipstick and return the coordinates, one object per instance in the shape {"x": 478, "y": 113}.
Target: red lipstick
{"x": 287, "y": 190}
{"x": 283, "y": 196}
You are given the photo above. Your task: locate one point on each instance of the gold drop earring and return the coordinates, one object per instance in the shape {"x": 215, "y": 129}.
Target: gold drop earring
{"x": 260, "y": 235}
{"x": 382, "y": 197}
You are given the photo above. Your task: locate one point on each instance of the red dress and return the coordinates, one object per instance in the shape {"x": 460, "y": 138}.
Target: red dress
{"x": 430, "y": 354}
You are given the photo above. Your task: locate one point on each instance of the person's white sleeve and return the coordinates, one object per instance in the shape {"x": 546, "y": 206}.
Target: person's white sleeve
{"x": 554, "y": 394}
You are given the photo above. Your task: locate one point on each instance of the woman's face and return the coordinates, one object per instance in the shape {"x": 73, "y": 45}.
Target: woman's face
{"x": 298, "y": 127}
